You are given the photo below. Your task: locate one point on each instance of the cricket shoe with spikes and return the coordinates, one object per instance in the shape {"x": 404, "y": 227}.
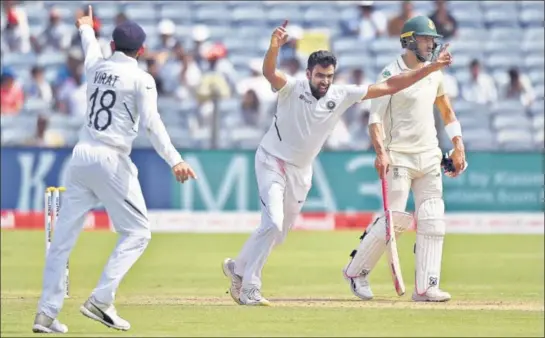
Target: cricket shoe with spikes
{"x": 359, "y": 286}
{"x": 236, "y": 281}
{"x": 432, "y": 295}
{"x": 105, "y": 314}
{"x": 253, "y": 297}
{"x": 45, "y": 324}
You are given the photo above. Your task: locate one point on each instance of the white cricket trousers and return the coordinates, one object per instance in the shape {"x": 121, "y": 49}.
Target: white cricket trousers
{"x": 283, "y": 189}
{"x": 96, "y": 174}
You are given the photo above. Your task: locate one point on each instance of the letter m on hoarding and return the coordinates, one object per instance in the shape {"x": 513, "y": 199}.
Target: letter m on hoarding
{"x": 221, "y": 185}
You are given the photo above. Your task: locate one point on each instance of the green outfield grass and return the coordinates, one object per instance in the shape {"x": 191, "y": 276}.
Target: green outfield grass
{"x": 178, "y": 289}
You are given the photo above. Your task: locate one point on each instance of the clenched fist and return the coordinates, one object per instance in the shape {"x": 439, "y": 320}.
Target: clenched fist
{"x": 182, "y": 171}
{"x": 279, "y": 36}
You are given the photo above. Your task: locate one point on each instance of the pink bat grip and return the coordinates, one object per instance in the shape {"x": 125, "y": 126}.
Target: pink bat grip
{"x": 385, "y": 202}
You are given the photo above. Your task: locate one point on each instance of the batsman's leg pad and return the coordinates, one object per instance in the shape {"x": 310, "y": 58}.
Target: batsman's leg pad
{"x": 373, "y": 243}
{"x": 430, "y": 234}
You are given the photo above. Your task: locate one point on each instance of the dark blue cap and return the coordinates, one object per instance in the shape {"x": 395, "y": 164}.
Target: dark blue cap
{"x": 128, "y": 35}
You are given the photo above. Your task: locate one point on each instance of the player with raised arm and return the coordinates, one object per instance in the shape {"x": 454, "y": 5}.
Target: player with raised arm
{"x": 121, "y": 97}
{"x": 307, "y": 111}
{"x": 402, "y": 129}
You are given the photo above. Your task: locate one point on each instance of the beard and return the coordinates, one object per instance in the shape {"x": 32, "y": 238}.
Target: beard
{"x": 316, "y": 91}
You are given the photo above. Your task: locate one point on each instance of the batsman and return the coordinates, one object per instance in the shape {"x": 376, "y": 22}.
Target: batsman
{"x": 402, "y": 129}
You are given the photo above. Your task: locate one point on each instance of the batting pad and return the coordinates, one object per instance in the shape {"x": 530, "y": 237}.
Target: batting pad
{"x": 373, "y": 243}
{"x": 429, "y": 244}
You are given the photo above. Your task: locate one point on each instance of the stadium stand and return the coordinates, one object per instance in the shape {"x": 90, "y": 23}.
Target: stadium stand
{"x": 506, "y": 37}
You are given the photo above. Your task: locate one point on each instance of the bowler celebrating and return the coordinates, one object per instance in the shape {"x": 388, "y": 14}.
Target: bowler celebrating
{"x": 307, "y": 111}
{"x": 121, "y": 97}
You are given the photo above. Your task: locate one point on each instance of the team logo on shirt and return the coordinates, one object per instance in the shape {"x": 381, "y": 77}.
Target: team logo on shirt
{"x": 331, "y": 105}
{"x": 302, "y": 97}
{"x": 386, "y": 73}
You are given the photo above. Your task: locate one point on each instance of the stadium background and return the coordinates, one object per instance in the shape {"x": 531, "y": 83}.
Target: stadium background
{"x": 206, "y": 58}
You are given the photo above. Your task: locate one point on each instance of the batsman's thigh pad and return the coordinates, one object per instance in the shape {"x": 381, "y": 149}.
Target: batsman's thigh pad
{"x": 399, "y": 185}
{"x": 430, "y": 233}
{"x": 373, "y": 243}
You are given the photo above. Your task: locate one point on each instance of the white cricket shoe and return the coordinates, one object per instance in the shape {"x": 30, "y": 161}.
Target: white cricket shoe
{"x": 45, "y": 324}
{"x": 236, "y": 281}
{"x": 106, "y": 315}
{"x": 359, "y": 286}
{"x": 432, "y": 295}
{"x": 253, "y": 297}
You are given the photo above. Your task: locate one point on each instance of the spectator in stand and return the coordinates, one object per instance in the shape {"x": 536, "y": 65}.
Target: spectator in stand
{"x": 370, "y": 24}
{"x": 395, "y": 25}
{"x": 214, "y": 85}
{"x": 251, "y": 111}
{"x": 481, "y": 88}
{"x": 68, "y": 71}
{"x": 11, "y": 94}
{"x": 16, "y": 35}
{"x": 153, "y": 69}
{"x": 359, "y": 132}
{"x": 45, "y": 137}
{"x": 356, "y": 77}
{"x": 444, "y": 21}
{"x": 293, "y": 68}
{"x": 166, "y": 29}
{"x": 257, "y": 82}
{"x": 180, "y": 75}
{"x": 222, "y": 64}
{"x": 200, "y": 35}
{"x": 72, "y": 95}
{"x": 57, "y": 36}
{"x": 289, "y": 49}
{"x": 38, "y": 86}
{"x": 120, "y": 18}
{"x": 520, "y": 88}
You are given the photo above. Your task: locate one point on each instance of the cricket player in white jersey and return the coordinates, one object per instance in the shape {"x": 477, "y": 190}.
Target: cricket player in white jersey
{"x": 121, "y": 98}
{"x": 307, "y": 111}
{"x": 402, "y": 129}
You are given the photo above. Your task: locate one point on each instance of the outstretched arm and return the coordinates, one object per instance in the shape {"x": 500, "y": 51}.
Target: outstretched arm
{"x": 404, "y": 80}
{"x": 91, "y": 48}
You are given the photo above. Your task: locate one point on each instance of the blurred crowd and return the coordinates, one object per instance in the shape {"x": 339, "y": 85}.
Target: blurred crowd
{"x": 199, "y": 69}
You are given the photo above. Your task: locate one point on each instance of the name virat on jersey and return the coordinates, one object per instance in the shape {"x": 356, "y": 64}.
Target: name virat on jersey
{"x": 105, "y": 79}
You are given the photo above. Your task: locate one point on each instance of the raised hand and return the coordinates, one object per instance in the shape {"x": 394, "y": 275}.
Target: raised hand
{"x": 279, "y": 36}
{"x": 86, "y": 20}
{"x": 445, "y": 58}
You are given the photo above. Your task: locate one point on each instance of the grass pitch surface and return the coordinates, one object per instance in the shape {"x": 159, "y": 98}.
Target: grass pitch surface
{"x": 177, "y": 288}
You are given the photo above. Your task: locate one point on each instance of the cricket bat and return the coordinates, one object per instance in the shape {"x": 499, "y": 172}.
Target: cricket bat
{"x": 391, "y": 244}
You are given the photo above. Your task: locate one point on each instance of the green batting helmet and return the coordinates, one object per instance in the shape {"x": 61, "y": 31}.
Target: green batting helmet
{"x": 419, "y": 26}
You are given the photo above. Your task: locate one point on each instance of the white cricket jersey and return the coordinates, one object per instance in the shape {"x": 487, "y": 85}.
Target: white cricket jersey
{"x": 302, "y": 123}
{"x": 120, "y": 98}
{"x": 407, "y": 117}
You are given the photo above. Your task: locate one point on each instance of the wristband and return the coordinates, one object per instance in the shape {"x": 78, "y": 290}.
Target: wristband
{"x": 453, "y": 129}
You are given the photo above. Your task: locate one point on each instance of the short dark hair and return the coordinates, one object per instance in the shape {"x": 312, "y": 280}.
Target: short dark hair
{"x": 323, "y": 58}
{"x": 474, "y": 63}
